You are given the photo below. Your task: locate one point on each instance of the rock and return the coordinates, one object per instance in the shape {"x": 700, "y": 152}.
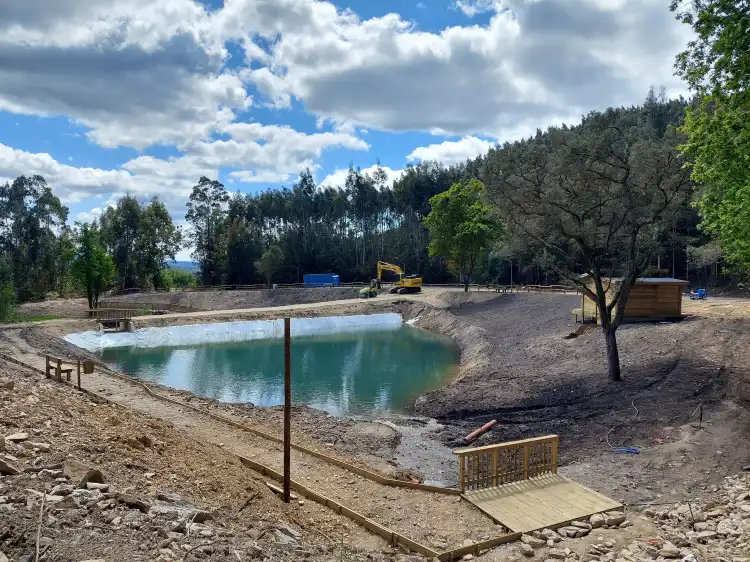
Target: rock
{"x": 468, "y": 557}
{"x": 62, "y": 490}
{"x": 97, "y": 486}
{"x": 614, "y": 518}
{"x": 51, "y": 474}
{"x": 626, "y": 524}
{"x": 132, "y": 442}
{"x": 596, "y": 520}
{"x": 668, "y": 550}
{"x": 133, "y": 502}
{"x": 8, "y": 385}
{"x": 526, "y": 550}
{"x": 145, "y": 440}
{"x": 533, "y": 542}
{"x": 3, "y": 558}
{"x": 589, "y": 557}
{"x": 283, "y": 538}
{"x": 200, "y": 516}
{"x": 17, "y": 437}
{"x": 556, "y": 554}
{"x": 289, "y": 531}
{"x": 581, "y": 525}
{"x": 42, "y": 447}
{"x": 705, "y": 535}
{"x": 700, "y": 527}
{"x": 8, "y": 469}
{"x": 549, "y": 534}
{"x": 81, "y": 474}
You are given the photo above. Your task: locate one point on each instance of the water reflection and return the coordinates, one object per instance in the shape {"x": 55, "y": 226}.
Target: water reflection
{"x": 341, "y": 373}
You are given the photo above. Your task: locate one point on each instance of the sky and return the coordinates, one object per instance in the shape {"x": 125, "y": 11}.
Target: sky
{"x": 108, "y": 97}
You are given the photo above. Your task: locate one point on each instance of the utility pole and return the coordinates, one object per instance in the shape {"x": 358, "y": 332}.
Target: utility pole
{"x": 287, "y": 409}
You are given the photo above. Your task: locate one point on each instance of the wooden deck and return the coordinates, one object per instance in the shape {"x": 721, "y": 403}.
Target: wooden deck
{"x": 546, "y": 501}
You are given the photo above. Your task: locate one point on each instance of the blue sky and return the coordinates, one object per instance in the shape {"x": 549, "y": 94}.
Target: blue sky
{"x": 106, "y": 97}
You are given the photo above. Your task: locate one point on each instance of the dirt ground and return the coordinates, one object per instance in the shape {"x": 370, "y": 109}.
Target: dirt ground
{"x": 517, "y": 367}
{"x": 224, "y": 300}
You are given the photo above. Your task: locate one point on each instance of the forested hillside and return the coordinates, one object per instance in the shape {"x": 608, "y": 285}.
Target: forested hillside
{"x": 312, "y": 229}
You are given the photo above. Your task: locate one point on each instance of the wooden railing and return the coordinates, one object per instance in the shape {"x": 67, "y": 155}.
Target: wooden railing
{"x": 493, "y": 465}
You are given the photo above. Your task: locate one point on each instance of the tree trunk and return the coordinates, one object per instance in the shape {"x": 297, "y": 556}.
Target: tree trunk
{"x": 613, "y": 355}
{"x": 466, "y": 284}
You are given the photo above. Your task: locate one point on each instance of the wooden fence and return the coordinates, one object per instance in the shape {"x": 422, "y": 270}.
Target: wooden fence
{"x": 493, "y": 465}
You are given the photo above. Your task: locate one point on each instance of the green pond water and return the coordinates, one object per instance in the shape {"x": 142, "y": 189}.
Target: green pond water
{"x": 349, "y": 373}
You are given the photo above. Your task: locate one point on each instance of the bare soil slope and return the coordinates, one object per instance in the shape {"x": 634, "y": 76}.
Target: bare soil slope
{"x": 226, "y": 300}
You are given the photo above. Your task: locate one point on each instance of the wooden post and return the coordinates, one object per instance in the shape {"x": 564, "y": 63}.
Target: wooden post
{"x": 525, "y": 462}
{"x": 461, "y": 472}
{"x": 58, "y": 371}
{"x": 79, "y": 374}
{"x": 46, "y": 366}
{"x": 287, "y": 408}
{"x": 554, "y": 455}
{"x": 495, "y": 455}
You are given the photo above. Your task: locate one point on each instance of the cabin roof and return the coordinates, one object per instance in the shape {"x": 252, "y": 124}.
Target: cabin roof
{"x": 643, "y": 280}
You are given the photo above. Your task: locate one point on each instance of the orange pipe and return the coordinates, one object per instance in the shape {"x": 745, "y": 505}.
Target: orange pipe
{"x": 477, "y": 432}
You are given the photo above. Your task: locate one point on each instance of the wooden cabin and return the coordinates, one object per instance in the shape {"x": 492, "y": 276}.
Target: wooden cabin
{"x": 650, "y": 299}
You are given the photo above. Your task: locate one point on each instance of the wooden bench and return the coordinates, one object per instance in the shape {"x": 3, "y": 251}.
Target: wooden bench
{"x": 56, "y": 366}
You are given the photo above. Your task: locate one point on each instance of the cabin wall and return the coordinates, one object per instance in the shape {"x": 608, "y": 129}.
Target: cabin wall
{"x": 645, "y": 302}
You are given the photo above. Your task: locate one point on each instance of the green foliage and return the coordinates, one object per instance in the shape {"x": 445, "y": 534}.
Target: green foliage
{"x": 205, "y": 214}
{"x": 461, "y": 226}
{"x": 7, "y": 292}
{"x": 269, "y": 262}
{"x": 174, "y": 278}
{"x": 599, "y": 198}
{"x": 92, "y": 266}
{"x": 140, "y": 238}
{"x": 716, "y": 65}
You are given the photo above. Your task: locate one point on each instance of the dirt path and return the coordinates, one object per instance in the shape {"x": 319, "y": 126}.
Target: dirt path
{"x": 436, "y": 520}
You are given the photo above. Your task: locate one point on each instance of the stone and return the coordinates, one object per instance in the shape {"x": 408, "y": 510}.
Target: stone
{"x": 145, "y": 440}
{"x": 533, "y": 542}
{"x": 581, "y": 525}
{"x": 700, "y": 526}
{"x": 596, "y": 520}
{"x": 132, "y": 442}
{"x": 283, "y": 538}
{"x": 62, "y": 490}
{"x": 668, "y": 550}
{"x": 705, "y": 535}
{"x": 287, "y": 530}
{"x": 468, "y": 557}
{"x": 81, "y": 474}
{"x": 8, "y": 385}
{"x": 614, "y": 518}
{"x": 589, "y": 557}
{"x": 51, "y": 474}
{"x": 3, "y": 558}
{"x": 625, "y": 524}
{"x": 31, "y": 445}
{"x": 7, "y": 469}
{"x": 97, "y": 486}
{"x": 556, "y": 554}
{"x": 17, "y": 437}
{"x": 549, "y": 534}
{"x": 526, "y": 550}
{"x": 133, "y": 502}
{"x": 200, "y": 516}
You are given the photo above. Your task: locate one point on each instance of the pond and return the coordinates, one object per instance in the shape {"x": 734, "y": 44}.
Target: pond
{"x": 350, "y": 367}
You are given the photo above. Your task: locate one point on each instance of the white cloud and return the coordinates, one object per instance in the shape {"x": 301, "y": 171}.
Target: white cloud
{"x": 533, "y": 63}
{"x": 338, "y": 177}
{"x": 471, "y": 8}
{"x": 451, "y": 152}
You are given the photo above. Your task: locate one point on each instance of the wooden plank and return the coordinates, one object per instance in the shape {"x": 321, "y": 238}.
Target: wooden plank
{"x": 540, "y": 502}
{"x": 505, "y": 445}
{"x": 280, "y": 491}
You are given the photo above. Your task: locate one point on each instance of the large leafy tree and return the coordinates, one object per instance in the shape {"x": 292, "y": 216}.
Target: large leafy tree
{"x": 205, "y": 215}
{"x": 93, "y": 267}
{"x": 594, "y": 199}
{"x": 461, "y": 226}
{"x": 716, "y": 65}
{"x": 270, "y": 262}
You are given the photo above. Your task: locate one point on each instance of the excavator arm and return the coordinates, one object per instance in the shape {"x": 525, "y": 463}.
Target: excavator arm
{"x": 384, "y": 266}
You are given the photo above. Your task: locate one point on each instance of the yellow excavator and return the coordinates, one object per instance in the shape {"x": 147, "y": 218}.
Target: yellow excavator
{"x": 405, "y": 283}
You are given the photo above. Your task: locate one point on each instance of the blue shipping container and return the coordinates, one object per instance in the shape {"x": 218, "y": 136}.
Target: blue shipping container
{"x": 321, "y": 280}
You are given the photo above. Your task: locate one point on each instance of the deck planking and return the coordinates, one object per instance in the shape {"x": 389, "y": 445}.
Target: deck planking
{"x": 546, "y": 501}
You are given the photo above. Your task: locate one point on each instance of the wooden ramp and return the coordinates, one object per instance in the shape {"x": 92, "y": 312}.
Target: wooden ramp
{"x": 517, "y": 485}
{"x": 547, "y": 501}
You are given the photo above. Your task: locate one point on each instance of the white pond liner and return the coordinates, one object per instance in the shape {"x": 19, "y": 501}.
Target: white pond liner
{"x": 225, "y": 332}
